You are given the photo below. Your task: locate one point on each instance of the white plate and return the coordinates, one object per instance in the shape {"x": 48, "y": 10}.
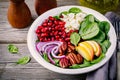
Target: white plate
{"x": 31, "y": 40}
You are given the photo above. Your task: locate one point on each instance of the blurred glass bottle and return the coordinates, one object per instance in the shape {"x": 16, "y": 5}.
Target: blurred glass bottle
{"x": 43, "y": 5}
{"x": 102, "y": 6}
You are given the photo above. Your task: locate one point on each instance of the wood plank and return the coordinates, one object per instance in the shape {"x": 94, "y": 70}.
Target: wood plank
{"x": 36, "y": 74}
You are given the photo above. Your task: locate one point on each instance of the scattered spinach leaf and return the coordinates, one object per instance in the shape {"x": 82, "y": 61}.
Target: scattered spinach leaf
{"x": 23, "y": 60}
{"x": 12, "y": 49}
{"x": 74, "y": 38}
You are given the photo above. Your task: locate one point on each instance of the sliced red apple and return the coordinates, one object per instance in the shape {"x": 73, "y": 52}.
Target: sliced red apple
{"x": 83, "y": 52}
{"x": 96, "y": 47}
{"x": 88, "y": 47}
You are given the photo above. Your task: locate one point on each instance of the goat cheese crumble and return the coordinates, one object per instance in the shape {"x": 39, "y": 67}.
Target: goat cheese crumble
{"x": 73, "y": 20}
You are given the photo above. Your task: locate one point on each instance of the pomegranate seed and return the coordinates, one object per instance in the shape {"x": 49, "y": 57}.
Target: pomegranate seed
{"x": 43, "y": 30}
{"x": 53, "y": 29}
{"x": 44, "y": 24}
{"x": 69, "y": 42}
{"x": 60, "y": 33}
{"x": 50, "y": 24}
{"x": 56, "y": 27}
{"x": 57, "y": 37}
{"x": 37, "y": 31}
{"x": 38, "y": 35}
{"x": 41, "y": 39}
{"x": 67, "y": 39}
{"x": 61, "y": 23}
{"x": 49, "y": 28}
{"x": 56, "y": 22}
{"x": 44, "y": 35}
{"x": 52, "y": 38}
{"x": 56, "y": 33}
{"x": 40, "y": 27}
{"x": 49, "y": 39}
{"x": 51, "y": 18}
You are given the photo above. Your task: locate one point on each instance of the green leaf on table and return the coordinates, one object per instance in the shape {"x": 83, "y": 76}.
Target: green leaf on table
{"x": 74, "y": 38}
{"x": 23, "y": 60}
{"x": 12, "y": 48}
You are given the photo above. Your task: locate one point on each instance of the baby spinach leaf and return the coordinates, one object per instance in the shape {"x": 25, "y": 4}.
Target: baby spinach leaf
{"x": 74, "y": 38}
{"x": 74, "y": 10}
{"x": 89, "y": 31}
{"x": 12, "y": 49}
{"x": 23, "y": 60}
{"x": 45, "y": 56}
{"x": 106, "y": 43}
{"x": 90, "y": 18}
{"x": 64, "y": 12}
{"x": 103, "y": 48}
{"x": 100, "y": 37}
{"x": 98, "y": 59}
{"x": 104, "y": 26}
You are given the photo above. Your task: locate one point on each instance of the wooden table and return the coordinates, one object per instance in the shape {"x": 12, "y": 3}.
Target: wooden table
{"x": 32, "y": 70}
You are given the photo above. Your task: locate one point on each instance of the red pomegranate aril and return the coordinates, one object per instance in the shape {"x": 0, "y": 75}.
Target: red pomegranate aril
{"x": 68, "y": 34}
{"x": 43, "y": 30}
{"x": 61, "y": 23}
{"x": 57, "y": 37}
{"x": 41, "y": 39}
{"x": 37, "y": 31}
{"x": 53, "y": 29}
{"x": 60, "y": 33}
{"x": 44, "y": 24}
{"x": 44, "y": 35}
{"x": 52, "y": 38}
{"x": 50, "y": 24}
{"x": 40, "y": 27}
{"x": 64, "y": 35}
{"x": 56, "y": 33}
{"x": 51, "y": 18}
{"x": 67, "y": 39}
{"x": 56, "y": 22}
{"x": 38, "y": 35}
{"x": 48, "y": 39}
{"x": 69, "y": 42}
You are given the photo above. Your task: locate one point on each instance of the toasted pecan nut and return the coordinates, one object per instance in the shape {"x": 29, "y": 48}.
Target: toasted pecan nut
{"x": 72, "y": 57}
{"x": 64, "y": 63}
{"x": 64, "y": 46}
{"x": 79, "y": 58}
{"x": 71, "y": 48}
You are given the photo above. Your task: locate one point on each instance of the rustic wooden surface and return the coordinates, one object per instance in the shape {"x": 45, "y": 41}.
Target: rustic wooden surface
{"x": 32, "y": 70}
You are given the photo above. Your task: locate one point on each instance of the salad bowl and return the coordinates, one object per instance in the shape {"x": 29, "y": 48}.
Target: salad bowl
{"x": 32, "y": 38}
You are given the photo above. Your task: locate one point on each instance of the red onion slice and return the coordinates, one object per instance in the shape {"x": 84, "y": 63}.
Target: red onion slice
{"x": 54, "y": 51}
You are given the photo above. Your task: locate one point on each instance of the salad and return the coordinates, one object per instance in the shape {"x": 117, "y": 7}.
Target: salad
{"x": 73, "y": 39}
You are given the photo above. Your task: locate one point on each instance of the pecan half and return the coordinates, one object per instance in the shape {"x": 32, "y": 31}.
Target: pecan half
{"x": 62, "y": 48}
{"x": 71, "y": 48}
{"x": 79, "y": 58}
{"x": 64, "y": 63}
{"x": 74, "y": 58}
